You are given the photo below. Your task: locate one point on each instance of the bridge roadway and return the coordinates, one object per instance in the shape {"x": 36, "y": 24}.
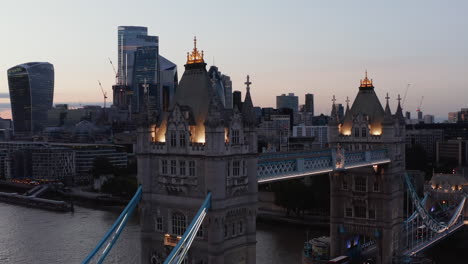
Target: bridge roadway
{"x": 282, "y": 166}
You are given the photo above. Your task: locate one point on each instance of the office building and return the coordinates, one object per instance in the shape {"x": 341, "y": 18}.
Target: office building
{"x": 129, "y": 39}
{"x": 146, "y": 95}
{"x": 288, "y": 101}
{"x": 31, "y": 88}
{"x": 309, "y": 103}
{"x": 227, "y": 90}
{"x": 169, "y": 82}
{"x": 237, "y": 100}
{"x": 217, "y": 83}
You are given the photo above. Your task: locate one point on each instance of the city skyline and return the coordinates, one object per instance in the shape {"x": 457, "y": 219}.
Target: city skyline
{"x": 421, "y": 43}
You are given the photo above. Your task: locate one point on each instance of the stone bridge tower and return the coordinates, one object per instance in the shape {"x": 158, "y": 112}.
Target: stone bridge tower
{"x": 195, "y": 148}
{"x": 366, "y": 209}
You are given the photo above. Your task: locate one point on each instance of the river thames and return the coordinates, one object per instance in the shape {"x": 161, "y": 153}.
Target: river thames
{"x": 36, "y": 236}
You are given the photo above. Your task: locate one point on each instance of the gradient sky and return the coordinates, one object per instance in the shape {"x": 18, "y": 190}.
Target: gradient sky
{"x": 319, "y": 47}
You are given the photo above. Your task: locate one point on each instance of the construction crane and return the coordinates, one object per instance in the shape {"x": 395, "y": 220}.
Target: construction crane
{"x": 116, "y": 74}
{"x": 104, "y": 94}
{"x": 404, "y": 97}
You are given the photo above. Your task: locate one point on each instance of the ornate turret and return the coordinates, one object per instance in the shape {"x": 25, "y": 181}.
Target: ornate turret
{"x": 366, "y": 83}
{"x": 388, "y": 118}
{"x": 399, "y": 112}
{"x": 195, "y": 56}
{"x": 247, "y": 108}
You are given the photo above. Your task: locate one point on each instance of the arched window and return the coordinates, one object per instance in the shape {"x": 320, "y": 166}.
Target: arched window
{"x": 178, "y": 224}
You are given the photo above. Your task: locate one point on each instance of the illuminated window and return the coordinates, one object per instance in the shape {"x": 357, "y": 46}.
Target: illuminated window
{"x": 360, "y": 184}
{"x": 173, "y": 139}
{"x": 235, "y": 136}
{"x": 173, "y": 167}
{"x": 164, "y": 167}
{"x": 182, "y": 167}
{"x": 182, "y": 139}
{"x": 349, "y": 212}
{"x": 159, "y": 223}
{"x": 235, "y": 168}
{"x": 178, "y": 224}
{"x": 356, "y": 132}
{"x": 192, "y": 168}
{"x": 364, "y": 132}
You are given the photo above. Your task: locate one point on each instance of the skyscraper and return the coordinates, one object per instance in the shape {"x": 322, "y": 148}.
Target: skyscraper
{"x": 227, "y": 90}
{"x": 288, "y": 101}
{"x": 169, "y": 81}
{"x": 309, "y": 103}
{"x": 31, "y": 88}
{"x": 237, "y": 100}
{"x": 145, "y": 79}
{"x": 129, "y": 39}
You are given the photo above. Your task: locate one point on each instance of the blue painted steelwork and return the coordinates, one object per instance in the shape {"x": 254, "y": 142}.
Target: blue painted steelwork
{"x": 422, "y": 230}
{"x": 292, "y": 167}
{"x": 115, "y": 230}
{"x": 179, "y": 252}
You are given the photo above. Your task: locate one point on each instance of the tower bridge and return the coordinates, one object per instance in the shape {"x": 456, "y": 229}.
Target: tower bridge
{"x": 199, "y": 171}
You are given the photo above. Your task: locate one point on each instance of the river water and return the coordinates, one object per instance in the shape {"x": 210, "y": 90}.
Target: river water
{"x": 31, "y": 235}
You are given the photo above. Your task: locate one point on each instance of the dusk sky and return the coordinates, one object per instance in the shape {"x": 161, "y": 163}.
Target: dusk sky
{"x": 319, "y": 47}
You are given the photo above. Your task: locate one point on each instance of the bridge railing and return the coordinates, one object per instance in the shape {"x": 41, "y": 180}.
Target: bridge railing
{"x": 283, "y": 166}
{"x": 100, "y": 252}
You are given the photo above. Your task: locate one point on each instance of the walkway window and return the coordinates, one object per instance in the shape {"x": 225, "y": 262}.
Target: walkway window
{"x": 360, "y": 184}
{"x": 364, "y": 132}
{"x": 178, "y": 224}
{"x": 182, "y": 167}
{"x": 235, "y": 168}
{"x": 235, "y": 136}
{"x": 182, "y": 139}
{"x": 159, "y": 223}
{"x": 173, "y": 139}
{"x": 173, "y": 167}
{"x": 164, "y": 166}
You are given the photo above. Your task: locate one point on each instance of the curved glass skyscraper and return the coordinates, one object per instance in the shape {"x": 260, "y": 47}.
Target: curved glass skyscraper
{"x": 31, "y": 95}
